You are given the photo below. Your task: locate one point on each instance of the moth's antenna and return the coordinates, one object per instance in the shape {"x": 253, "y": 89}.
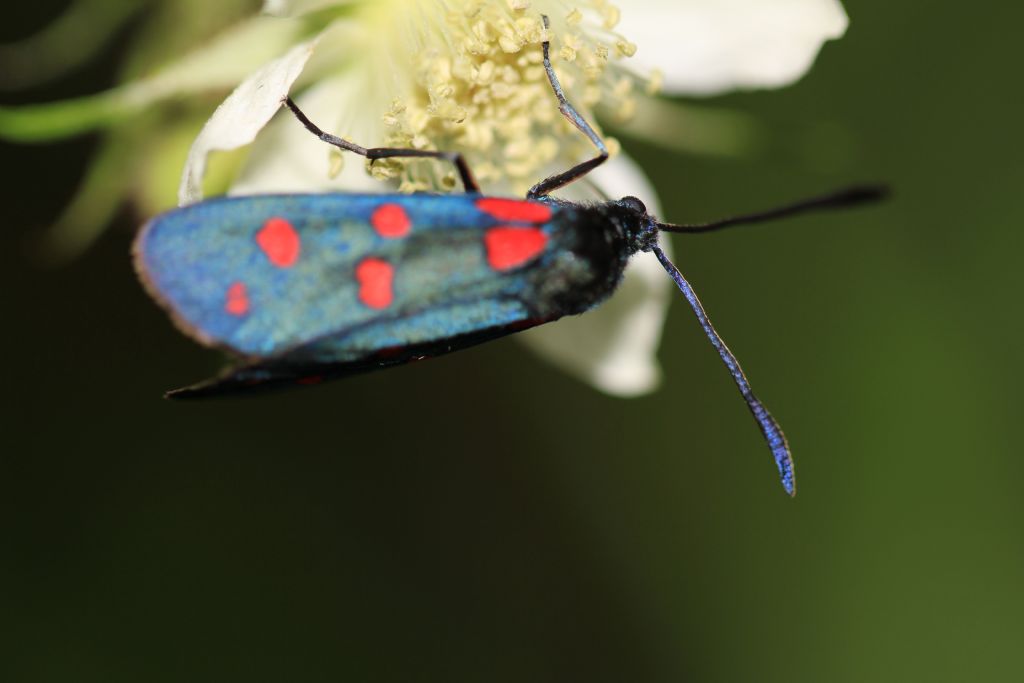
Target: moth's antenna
{"x": 841, "y": 199}
{"x": 769, "y": 427}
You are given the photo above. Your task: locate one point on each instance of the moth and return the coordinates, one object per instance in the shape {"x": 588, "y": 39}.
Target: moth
{"x": 302, "y": 288}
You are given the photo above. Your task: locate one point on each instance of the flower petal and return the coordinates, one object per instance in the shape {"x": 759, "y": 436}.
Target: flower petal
{"x": 242, "y": 115}
{"x": 709, "y": 46}
{"x": 613, "y": 347}
{"x": 287, "y": 158}
{"x": 94, "y": 203}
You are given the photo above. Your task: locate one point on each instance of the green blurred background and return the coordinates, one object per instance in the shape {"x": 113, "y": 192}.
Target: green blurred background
{"x": 482, "y": 517}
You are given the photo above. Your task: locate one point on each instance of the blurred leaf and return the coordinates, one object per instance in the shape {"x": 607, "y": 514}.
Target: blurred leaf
{"x": 68, "y": 42}
{"x": 39, "y": 122}
{"x": 220, "y": 65}
{"x": 94, "y": 204}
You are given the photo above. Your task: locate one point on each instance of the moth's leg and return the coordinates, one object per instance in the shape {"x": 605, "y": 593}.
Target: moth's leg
{"x": 372, "y": 153}
{"x": 548, "y": 185}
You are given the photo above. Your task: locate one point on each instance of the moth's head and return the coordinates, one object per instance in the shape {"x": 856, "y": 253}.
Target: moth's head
{"x": 639, "y": 227}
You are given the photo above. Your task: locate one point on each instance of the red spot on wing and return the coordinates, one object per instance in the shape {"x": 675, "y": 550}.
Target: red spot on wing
{"x": 391, "y": 220}
{"x": 514, "y": 210}
{"x": 509, "y": 248}
{"x": 237, "y": 300}
{"x": 279, "y": 240}
{"x": 310, "y": 380}
{"x": 375, "y": 278}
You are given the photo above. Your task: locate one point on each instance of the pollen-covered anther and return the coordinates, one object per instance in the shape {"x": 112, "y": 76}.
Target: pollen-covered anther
{"x": 625, "y": 48}
{"x": 511, "y": 76}
{"x": 482, "y": 32}
{"x": 449, "y": 181}
{"x": 530, "y": 29}
{"x": 570, "y": 47}
{"x": 626, "y": 104}
{"x": 501, "y": 91}
{"x": 485, "y": 73}
{"x": 335, "y": 162}
{"x": 655, "y": 81}
{"x": 393, "y": 117}
{"x": 593, "y": 66}
{"x": 611, "y": 17}
{"x": 479, "y": 84}
{"x": 509, "y": 44}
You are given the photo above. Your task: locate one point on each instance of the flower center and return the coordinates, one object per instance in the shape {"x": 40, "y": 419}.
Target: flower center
{"x": 477, "y": 85}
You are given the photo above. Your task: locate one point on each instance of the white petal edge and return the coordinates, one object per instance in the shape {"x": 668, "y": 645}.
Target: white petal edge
{"x": 241, "y": 116}
{"x": 705, "y": 47}
{"x": 614, "y": 346}
{"x": 221, "y": 63}
{"x": 287, "y": 158}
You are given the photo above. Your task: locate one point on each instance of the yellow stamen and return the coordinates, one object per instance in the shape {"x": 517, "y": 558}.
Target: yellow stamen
{"x": 478, "y": 85}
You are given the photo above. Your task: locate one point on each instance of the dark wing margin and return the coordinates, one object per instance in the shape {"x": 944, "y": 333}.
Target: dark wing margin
{"x": 270, "y": 375}
{"x": 264, "y": 377}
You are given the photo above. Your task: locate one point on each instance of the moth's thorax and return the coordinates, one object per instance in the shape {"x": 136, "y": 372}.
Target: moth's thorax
{"x": 594, "y": 243}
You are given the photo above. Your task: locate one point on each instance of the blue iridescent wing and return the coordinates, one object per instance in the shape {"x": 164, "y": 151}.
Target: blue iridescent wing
{"x": 294, "y": 282}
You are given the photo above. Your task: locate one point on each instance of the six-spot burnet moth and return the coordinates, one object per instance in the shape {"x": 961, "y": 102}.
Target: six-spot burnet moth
{"x": 306, "y": 287}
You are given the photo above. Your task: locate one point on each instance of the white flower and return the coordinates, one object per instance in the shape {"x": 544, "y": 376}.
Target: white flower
{"x": 711, "y": 46}
{"x": 465, "y": 75}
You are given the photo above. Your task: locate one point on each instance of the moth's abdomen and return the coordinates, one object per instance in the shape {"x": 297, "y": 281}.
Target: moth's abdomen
{"x": 264, "y": 275}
